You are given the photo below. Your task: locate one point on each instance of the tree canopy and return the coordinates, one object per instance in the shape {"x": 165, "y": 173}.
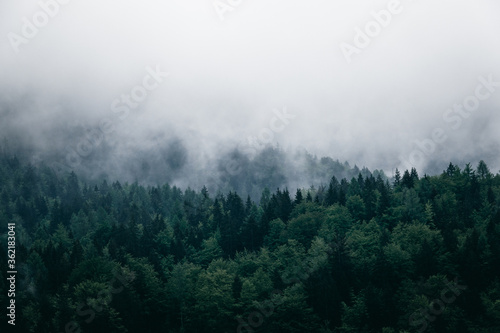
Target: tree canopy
{"x": 359, "y": 255}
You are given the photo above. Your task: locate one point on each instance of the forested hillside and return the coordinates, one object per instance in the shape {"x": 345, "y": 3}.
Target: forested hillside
{"x": 419, "y": 253}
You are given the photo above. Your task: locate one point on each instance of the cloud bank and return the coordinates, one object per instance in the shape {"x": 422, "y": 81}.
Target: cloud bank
{"x": 74, "y": 87}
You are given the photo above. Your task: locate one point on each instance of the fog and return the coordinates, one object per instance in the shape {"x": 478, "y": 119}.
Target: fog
{"x": 288, "y": 73}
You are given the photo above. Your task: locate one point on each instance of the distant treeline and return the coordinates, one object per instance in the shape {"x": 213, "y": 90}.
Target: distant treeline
{"x": 171, "y": 162}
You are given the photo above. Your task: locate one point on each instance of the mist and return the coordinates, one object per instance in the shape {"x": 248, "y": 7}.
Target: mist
{"x": 187, "y": 92}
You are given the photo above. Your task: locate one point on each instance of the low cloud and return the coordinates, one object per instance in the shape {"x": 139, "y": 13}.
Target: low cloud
{"x": 226, "y": 78}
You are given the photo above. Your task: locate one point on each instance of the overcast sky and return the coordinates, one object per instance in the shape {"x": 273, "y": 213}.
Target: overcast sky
{"x": 230, "y": 67}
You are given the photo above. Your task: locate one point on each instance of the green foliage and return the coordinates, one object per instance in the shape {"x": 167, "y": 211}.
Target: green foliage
{"x": 363, "y": 243}
{"x": 214, "y": 297}
{"x": 356, "y": 207}
{"x": 276, "y": 235}
{"x": 353, "y": 256}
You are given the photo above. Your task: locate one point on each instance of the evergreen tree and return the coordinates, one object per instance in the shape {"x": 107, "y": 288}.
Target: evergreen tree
{"x": 298, "y": 197}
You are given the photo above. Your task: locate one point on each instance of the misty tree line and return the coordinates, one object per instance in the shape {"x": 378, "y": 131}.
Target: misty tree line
{"x": 272, "y": 167}
{"x": 357, "y": 255}
{"x": 172, "y": 162}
